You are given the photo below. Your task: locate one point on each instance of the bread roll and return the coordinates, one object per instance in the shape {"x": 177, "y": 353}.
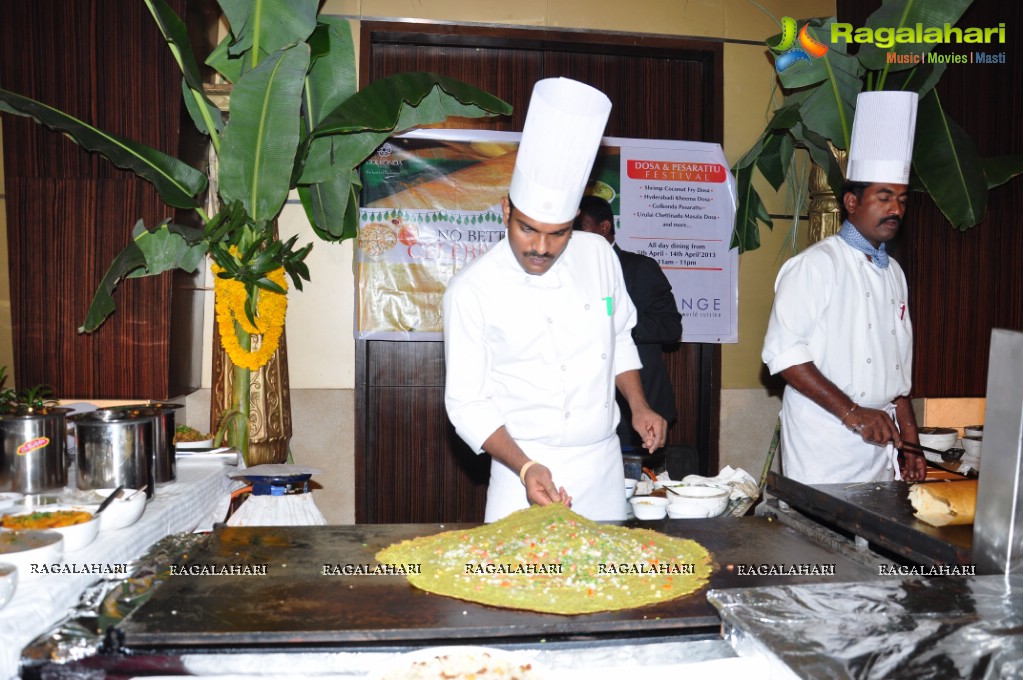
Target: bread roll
{"x": 944, "y": 503}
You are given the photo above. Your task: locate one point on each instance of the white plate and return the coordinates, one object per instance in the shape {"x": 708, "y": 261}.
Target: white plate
{"x": 9, "y": 499}
{"x": 470, "y": 659}
{"x": 25, "y": 548}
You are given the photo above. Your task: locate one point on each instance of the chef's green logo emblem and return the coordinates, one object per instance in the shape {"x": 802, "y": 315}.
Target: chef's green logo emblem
{"x": 610, "y": 306}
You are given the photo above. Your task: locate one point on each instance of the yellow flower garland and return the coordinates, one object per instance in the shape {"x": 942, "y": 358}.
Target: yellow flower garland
{"x": 271, "y": 309}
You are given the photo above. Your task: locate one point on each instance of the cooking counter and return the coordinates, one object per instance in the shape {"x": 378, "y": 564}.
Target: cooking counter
{"x": 880, "y": 513}
{"x": 296, "y": 604}
{"x": 199, "y": 497}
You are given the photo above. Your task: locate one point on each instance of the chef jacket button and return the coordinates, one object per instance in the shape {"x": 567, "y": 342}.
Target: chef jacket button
{"x": 550, "y": 320}
{"x": 563, "y": 367}
{"x": 587, "y": 306}
{"x": 868, "y": 361}
{"x": 868, "y": 293}
{"x": 566, "y": 416}
{"x": 893, "y": 331}
{"x": 897, "y": 367}
{"x": 863, "y": 394}
{"x": 605, "y": 404}
{"x": 869, "y": 326}
{"x": 603, "y": 356}
{"x": 893, "y": 301}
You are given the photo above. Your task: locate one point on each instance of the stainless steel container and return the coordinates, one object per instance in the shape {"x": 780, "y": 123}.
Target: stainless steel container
{"x": 33, "y": 457}
{"x": 163, "y": 461}
{"x": 115, "y": 447}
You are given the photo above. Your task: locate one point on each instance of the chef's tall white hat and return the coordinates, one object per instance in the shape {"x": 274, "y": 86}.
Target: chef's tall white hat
{"x": 564, "y": 124}
{"x": 881, "y": 149}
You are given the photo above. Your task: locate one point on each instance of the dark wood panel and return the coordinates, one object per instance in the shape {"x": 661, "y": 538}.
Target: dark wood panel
{"x": 422, "y": 469}
{"x": 70, "y": 212}
{"x": 964, "y": 284}
{"x": 406, "y": 364}
{"x": 52, "y": 245}
{"x": 660, "y": 88}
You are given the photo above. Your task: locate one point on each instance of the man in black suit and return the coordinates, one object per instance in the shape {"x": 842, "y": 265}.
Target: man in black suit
{"x": 658, "y": 321}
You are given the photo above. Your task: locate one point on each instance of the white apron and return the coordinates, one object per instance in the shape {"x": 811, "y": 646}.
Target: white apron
{"x": 592, "y": 475}
{"x": 818, "y": 449}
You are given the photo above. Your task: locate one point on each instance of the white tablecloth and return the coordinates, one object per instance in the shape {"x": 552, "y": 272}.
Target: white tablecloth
{"x": 199, "y": 497}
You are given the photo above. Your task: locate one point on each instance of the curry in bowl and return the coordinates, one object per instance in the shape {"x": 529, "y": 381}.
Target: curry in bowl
{"x": 50, "y": 519}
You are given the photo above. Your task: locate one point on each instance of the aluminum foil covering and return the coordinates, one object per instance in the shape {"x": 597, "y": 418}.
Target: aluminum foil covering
{"x": 106, "y": 602}
{"x": 938, "y": 627}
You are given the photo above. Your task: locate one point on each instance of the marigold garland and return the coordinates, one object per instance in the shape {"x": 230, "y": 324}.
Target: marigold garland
{"x": 271, "y": 309}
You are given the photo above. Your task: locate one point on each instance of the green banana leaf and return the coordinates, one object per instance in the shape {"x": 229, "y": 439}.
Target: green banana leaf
{"x": 821, "y": 154}
{"x": 947, "y": 163}
{"x": 326, "y": 204}
{"x": 827, "y": 108}
{"x": 224, "y": 63}
{"x": 774, "y": 160}
{"x": 332, "y": 75}
{"x": 169, "y": 246}
{"x": 895, "y": 14}
{"x": 204, "y": 114}
{"x": 177, "y": 182}
{"x": 386, "y": 107}
{"x": 749, "y": 209}
{"x": 330, "y": 82}
{"x": 1000, "y": 169}
{"x": 262, "y": 27}
{"x": 920, "y": 79}
{"x": 262, "y": 134}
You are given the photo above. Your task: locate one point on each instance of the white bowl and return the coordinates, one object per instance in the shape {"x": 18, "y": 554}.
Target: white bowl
{"x": 689, "y": 502}
{"x": 649, "y": 507}
{"x": 972, "y": 445}
{"x": 76, "y": 536}
{"x": 8, "y": 582}
{"x": 973, "y": 431}
{"x": 630, "y": 487}
{"x": 25, "y": 548}
{"x": 940, "y": 438}
{"x": 201, "y": 444}
{"x": 123, "y": 511}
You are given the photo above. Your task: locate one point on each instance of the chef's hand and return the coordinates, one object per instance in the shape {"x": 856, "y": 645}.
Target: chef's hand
{"x": 914, "y": 468}
{"x": 875, "y": 426}
{"x": 541, "y": 489}
{"x": 651, "y": 427}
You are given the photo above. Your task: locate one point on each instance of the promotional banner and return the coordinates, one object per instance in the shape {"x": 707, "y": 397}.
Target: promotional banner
{"x": 433, "y": 203}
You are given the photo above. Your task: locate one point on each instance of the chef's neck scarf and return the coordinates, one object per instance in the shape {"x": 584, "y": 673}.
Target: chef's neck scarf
{"x": 854, "y": 238}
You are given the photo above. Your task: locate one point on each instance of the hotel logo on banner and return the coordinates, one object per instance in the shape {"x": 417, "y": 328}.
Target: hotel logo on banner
{"x": 793, "y": 46}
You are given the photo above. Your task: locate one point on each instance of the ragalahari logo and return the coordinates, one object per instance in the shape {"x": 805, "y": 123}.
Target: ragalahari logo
{"x": 793, "y": 47}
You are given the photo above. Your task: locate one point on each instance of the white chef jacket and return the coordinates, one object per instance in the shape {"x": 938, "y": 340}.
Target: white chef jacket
{"x": 539, "y": 355}
{"x": 850, "y": 318}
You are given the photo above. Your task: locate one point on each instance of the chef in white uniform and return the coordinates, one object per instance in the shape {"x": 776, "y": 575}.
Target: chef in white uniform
{"x": 537, "y": 331}
{"x": 840, "y": 333}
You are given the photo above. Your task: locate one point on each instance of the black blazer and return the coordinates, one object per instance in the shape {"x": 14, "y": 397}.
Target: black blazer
{"x": 658, "y": 323}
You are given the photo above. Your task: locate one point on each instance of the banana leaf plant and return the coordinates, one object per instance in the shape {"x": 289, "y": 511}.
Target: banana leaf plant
{"x": 817, "y": 111}
{"x": 296, "y": 121}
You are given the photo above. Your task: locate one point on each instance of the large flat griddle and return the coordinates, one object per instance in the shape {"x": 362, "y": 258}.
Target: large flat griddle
{"x": 295, "y": 604}
{"x": 881, "y": 513}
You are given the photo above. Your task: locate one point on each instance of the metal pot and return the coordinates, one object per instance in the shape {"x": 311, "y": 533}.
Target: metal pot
{"x": 33, "y": 457}
{"x": 163, "y": 460}
{"x": 115, "y": 447}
